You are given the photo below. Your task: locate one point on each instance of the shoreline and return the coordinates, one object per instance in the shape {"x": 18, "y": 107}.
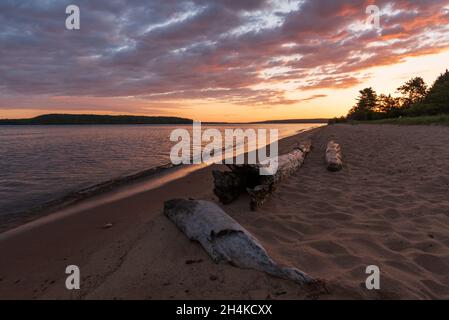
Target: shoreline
{"x": 381, "y": 209}
{"x": 79, "y": 232}
{"x": 74, "y": 198}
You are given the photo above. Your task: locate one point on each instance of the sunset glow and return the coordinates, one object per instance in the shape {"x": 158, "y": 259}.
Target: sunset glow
{"x": 214, "y": 61}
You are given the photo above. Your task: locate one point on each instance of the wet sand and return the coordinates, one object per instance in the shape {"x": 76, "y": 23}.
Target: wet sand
{"x": 388, "y": 207}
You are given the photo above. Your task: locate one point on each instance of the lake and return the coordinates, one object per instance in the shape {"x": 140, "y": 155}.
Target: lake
{"x": 39, "y": 164}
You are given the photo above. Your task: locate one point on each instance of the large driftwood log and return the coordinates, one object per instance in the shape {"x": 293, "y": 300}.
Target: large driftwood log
{"x": 334, "y": 158}
{"x": 229, "y": 185}
{"x": 225, "y": 240}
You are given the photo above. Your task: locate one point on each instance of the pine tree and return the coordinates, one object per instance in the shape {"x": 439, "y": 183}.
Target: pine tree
{"x": 438, "y": 96}
{"x": 389, "y": 105}
{"x": 413, "y": 91}
{"x": 366, "y": 105}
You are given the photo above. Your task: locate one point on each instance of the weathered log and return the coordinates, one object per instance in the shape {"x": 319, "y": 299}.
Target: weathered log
{"x": 247, "y": 177}
{"x": 227, "y": 186}
{"x": 334, "y": 158}
{"x": 287, "y": 164}
{"x": 225, "y": 240}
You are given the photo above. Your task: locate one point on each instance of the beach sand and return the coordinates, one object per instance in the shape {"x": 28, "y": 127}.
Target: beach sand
{"x": 388, "y": 207}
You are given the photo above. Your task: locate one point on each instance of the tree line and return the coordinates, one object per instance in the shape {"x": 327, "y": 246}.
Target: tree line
{"x": 66, "y": 119}
{"x": 416, "y": 99}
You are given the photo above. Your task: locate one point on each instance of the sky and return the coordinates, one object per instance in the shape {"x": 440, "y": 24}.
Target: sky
{"x": 223, "y": 60}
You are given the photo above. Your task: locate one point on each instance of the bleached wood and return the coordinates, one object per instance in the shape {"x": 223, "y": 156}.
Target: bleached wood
{"x": 259, "y": 187}
{"x": 334, "y": 158}
{"x": 225, "y": 240}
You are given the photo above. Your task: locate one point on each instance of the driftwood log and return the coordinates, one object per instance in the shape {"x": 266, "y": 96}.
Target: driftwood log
{"x": 334, "y": 158}
{"x": 229, "y": 185}
{"x": 225, "y": 240}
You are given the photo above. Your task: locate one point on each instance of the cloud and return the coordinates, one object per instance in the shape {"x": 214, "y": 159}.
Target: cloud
{"x": 314, "y": 97}
{"x": 166, "y": 50}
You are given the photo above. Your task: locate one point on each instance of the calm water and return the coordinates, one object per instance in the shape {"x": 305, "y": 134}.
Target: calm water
{"x": 43, "y": 163}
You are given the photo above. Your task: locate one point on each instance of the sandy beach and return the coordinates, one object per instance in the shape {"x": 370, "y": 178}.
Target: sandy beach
{"x": 389, "y": 207}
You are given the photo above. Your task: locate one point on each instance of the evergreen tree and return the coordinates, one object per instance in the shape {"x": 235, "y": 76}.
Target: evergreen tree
{"x": 366, "y": 105}
{"x": 438, "y": 96}
{"x": 389, "y": 105}
{"x": 416, "y": 100}
{"x": 413, "y": 91}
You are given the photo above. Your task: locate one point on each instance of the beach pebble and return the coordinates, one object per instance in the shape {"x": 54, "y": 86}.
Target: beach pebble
{"x": 194, "y": 261}
{"x": 213, "y": 277}
{"x": 279, "y": 293}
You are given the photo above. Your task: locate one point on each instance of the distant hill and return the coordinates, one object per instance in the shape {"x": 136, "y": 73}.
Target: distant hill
{"x": 66, "y": 119}
{"x": 295, "y": 121}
